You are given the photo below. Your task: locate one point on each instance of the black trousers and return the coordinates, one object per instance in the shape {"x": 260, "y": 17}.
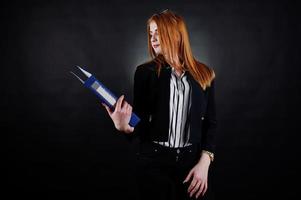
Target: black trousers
{"x": 160, "y": 172}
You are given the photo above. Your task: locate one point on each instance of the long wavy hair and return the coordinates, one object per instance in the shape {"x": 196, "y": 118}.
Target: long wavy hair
{"x": 175, "y": 48}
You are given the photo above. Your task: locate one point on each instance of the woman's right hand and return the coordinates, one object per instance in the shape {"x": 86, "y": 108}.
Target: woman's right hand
{"x": 121, "y": 115}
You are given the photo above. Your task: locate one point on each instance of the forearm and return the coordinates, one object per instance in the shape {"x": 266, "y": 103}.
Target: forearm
{"x": 210, "y": 124}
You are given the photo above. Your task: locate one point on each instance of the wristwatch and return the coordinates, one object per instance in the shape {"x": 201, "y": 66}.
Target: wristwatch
{"x": 210, "y": 154}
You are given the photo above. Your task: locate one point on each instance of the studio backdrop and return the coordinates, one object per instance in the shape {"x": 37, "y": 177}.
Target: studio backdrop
{"x": 59, "y": 136}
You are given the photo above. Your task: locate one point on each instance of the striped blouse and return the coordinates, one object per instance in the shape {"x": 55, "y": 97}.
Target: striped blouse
{"x": 179, "y": 107}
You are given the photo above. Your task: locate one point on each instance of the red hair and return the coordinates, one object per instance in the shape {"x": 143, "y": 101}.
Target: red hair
{"x": 175, "y": 47}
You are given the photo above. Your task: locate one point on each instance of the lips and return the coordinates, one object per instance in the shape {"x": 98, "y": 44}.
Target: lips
{"x": 156, "y": 45}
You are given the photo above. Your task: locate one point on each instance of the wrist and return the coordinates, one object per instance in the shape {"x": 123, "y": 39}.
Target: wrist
{"x": 205, "y": 160}
{"x": 208, "y": 154}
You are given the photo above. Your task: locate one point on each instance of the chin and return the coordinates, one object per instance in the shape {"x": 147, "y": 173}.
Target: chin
{"x": 158, "y": 52}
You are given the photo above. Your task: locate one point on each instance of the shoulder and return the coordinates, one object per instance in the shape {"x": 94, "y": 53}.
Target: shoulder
{"x": 144, "y": 71}
{"x": 148, "y": 66}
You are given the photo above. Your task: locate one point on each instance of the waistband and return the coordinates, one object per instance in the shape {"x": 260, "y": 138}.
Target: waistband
{"x": 159, "y": 147}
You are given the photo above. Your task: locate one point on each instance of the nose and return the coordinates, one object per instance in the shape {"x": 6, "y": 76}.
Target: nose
{"x": 154, "y": 38}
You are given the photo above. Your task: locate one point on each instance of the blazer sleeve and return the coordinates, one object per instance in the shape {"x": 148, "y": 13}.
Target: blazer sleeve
{"x": 210, "y": 122}
{"x": 140, "y": 101}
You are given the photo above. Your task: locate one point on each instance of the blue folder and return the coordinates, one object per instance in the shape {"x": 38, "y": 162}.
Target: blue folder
{"x": 103, "y": 93}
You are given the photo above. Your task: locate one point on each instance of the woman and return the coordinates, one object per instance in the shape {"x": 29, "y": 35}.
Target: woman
{"x": 174, "y": 97}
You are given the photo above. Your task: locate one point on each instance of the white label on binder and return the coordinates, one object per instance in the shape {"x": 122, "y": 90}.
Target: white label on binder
{"x": 104, "y": 93}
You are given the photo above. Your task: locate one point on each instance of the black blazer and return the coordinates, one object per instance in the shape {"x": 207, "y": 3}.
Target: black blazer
{"x": 151, "y": 104}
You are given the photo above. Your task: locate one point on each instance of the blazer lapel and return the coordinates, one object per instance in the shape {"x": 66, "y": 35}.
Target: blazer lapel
{"x": 164, "y": 91}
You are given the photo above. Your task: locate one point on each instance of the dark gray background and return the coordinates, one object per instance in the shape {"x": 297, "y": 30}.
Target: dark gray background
{"x": 59, "y": 138}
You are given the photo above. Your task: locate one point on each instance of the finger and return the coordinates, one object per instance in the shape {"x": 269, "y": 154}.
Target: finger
{"x": 198, "y": 194}
{"x": 129, "y": 108}
{"x": 200, "y": 190}
{"x": 195, "y": 189}
{"x": 119, "y": 102}
{"x": 125, "y": 106}
{"x": 130, "y": 129}
{"x": 188, "y": 177}
{"x": 104, "y": 105}
{"x": 107, "y": 108}
{"x": 205, "y": 189}
{"x": 127, "y": 111}
{"x": 192, "y": 185}
{"x": 202, "y": 187}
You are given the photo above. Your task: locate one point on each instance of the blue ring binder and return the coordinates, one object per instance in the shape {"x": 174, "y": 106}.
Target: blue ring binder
{"x": 104, "y": 94}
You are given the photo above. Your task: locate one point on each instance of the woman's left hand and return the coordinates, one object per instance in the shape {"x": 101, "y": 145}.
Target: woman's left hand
{"x": 199, "y": 173}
